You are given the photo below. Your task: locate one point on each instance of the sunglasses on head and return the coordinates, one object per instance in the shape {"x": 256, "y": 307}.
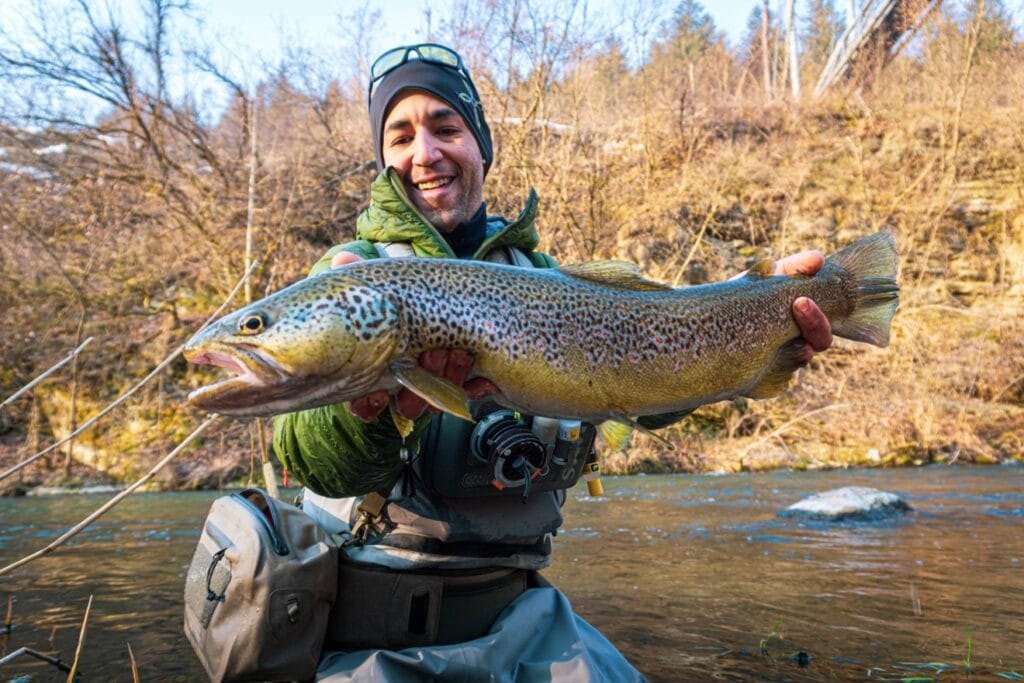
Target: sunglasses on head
{"x": 427, "y": 52}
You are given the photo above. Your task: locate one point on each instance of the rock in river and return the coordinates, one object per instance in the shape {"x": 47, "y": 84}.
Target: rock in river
{"x": 849, "y": 502}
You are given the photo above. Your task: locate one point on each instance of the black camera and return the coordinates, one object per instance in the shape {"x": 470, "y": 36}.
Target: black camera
{"x": 503, "y": 453}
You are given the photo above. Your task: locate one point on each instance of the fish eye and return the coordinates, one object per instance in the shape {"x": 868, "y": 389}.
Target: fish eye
{"x": 252, "y": 323}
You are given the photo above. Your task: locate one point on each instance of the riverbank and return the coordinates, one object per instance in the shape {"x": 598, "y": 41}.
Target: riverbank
{"x": 949, "y": 388}
{"x": 202, "y": 470}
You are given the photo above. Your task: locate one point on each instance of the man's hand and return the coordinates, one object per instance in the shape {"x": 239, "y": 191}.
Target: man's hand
{"x": 814, "y": 326}
{"x": 452, "y": 364}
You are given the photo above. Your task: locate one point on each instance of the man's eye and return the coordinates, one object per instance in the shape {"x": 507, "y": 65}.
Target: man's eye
{"x": 400, "y": 140}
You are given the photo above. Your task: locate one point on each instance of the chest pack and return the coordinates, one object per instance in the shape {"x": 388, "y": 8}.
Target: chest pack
{"x": 259, "y": 590}
{"x": 503, "y": 453}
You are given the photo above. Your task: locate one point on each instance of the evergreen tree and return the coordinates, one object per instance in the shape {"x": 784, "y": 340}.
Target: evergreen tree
{"x": 823, "y": 27}
{"x": 689, "y": 33}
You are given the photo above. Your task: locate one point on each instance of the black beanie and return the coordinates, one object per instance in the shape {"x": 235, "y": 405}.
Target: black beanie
{"x": 453, "y": 86}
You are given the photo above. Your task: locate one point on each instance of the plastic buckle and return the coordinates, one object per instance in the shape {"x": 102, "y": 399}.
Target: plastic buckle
{"x": 371, "y": 512}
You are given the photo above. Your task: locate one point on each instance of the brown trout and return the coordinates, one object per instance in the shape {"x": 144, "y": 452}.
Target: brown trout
{"x": 593, "y": 341}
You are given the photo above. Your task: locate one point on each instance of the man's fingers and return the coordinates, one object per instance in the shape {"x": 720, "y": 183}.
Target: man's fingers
{"x": 458, "y": 366}
{"x": 409, "y": 405}
{"x": 343, "y": 258}
{"x": 368, "y": 407}
{"x": 814, "y": 326}
{"x": 478, "y": 387}
{"x": 434, "y": 361}
{"x": 804, "y": 263}
{"x": 452, "y": 364}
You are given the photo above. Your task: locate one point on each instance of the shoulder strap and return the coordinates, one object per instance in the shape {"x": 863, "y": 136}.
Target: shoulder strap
{"x": 511, "y": 256}
{"x": 519, "y": 257}
{"x": 394, "y": 249}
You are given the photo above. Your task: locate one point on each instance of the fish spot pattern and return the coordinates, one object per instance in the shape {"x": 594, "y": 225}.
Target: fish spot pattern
{"x": 517, "y": 312}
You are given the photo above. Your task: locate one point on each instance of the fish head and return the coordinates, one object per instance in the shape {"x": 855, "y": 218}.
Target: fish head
{"x": 322, "y": 340}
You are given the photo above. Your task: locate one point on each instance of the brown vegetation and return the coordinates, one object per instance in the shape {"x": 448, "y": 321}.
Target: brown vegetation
{"x": 130, "y": 226}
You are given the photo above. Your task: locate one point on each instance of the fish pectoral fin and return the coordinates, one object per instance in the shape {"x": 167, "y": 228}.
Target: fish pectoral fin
{"x": 437, "y": 391}
{"x": 619, "y": 274}
{"x": 780, "y": 374}
{"x": 403, "y": 424}
{"x": 617, "y": 429}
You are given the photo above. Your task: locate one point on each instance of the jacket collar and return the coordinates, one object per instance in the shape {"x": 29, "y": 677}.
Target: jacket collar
{"x": 392, "y": 217}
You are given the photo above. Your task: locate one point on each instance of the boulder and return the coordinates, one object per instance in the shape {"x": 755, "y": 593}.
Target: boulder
{"x": 849, "y": 502}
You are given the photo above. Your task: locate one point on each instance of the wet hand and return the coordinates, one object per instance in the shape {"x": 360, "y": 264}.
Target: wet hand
{"x": 452, "y": 364}
{"x": 815, "y": 328}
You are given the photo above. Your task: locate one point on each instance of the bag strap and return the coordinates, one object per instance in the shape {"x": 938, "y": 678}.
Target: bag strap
{"x": 394, "y": 249}
{"x": 509, "y": 256}
{"x": 513, "y": 256}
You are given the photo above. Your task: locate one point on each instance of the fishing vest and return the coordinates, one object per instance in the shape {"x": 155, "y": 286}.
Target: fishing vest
{"x": 454, "y": 509}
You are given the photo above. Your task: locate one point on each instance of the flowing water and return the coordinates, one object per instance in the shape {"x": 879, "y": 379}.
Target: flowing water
{"x": 693, "y": 577}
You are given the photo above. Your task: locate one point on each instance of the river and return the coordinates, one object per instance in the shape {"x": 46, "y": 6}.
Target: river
{"x": 692, "y": 577}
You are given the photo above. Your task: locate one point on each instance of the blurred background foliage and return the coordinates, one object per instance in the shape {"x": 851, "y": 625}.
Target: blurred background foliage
{"x": 126, "y": 203}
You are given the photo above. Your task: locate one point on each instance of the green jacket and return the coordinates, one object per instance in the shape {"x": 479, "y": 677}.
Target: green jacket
{"x": 328, "y": 449}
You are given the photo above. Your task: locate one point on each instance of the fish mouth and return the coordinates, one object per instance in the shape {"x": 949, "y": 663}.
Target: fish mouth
{"x": 253, "y": 373}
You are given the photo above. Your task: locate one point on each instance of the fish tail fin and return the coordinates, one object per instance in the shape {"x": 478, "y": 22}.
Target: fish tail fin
{"x": 872, "y": 262}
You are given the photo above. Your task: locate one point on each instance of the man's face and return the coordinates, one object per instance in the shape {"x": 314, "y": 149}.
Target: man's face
{"x": 437, "y": 158}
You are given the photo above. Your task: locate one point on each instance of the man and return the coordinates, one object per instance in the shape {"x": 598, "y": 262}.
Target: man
{"x": 431, "y": 584}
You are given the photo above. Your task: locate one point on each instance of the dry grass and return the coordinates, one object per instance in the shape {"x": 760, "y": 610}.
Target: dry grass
{"x": 679, "y": 166}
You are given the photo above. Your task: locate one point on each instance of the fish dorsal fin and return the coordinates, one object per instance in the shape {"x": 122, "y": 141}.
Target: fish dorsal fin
{"x": 618, "y": 274}
{"x": 760, "y": 270}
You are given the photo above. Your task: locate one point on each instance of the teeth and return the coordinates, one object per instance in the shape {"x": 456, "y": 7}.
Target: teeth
{"x": 434, "y": 184}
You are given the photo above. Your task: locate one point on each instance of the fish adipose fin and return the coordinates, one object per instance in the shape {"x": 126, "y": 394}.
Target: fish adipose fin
{"x": 780, "y": 374}
{"x": 437, "y": 391}
{"x": 618, "y": 428}
{"x": 618, "y": 274}
{"x": 762, "y": 269}
{"x": 873, "y": 263}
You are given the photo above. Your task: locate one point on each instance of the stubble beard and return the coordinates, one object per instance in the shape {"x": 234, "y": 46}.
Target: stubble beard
{"x": 448, "y": 219}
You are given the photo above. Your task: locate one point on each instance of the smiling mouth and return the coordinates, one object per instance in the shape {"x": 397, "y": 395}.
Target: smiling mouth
{"x": 433, "y": 184}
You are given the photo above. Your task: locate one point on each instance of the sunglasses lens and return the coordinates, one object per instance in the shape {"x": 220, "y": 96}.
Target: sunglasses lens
{"x": 396, "y": 57}
{"x": 439, "y": 55}
{"x": 387, "y": 61}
